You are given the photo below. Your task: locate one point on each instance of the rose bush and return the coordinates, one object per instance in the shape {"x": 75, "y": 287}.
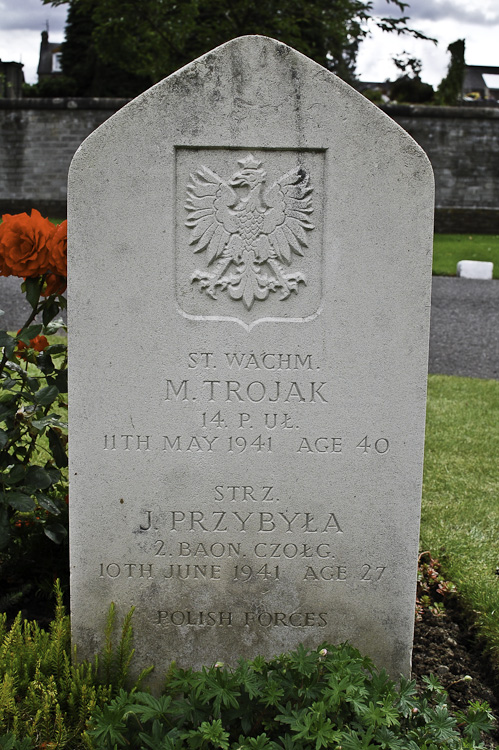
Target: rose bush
{"x": 39, "y": 343}
{"x": 33, "y": 388}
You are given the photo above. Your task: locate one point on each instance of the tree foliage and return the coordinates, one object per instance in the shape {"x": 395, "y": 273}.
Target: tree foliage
{"x": 409, "y": 87}
{"x": 451, "y": 87}
{"x": 86, "y": 72}
{"x": 146, "y": 42}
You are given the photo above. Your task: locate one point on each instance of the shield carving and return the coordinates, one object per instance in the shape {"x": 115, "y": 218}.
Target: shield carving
{"x": 249, "y": 234}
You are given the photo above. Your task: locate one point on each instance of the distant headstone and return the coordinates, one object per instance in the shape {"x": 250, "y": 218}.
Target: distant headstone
{"x": 250, "y": 266}
{"x": 475, "y": 269}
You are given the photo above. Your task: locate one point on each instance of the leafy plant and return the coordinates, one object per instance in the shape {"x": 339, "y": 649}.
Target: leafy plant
{"x": 331, "y": 697}
{"x": 46, "y": 696}
{"x": 409, "y": 87}
{"x": 33, "y": 385}
{"x": 450, "y": 89}
{"x": 10, "y": 742}
{"x": 108, "y": 37}
{"x": 432, "y": 588}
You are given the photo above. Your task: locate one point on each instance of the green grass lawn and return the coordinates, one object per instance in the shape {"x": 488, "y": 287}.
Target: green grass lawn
{"x": 448, "y": 249}
{"x": 460, "y": 515}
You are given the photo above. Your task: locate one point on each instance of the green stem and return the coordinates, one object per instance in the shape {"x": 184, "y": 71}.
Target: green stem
{"x": 34, "y": 312}
{"x": 34, "y": 438}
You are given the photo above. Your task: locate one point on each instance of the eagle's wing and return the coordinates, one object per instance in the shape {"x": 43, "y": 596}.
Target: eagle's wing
{"x": 289, "y": 204}
{"x": 211, "y": 222}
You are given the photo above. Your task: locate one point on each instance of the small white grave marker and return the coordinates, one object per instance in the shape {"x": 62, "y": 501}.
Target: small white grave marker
{"x": 475, "y": 269}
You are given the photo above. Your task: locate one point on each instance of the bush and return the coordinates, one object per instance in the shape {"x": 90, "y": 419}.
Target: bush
{"x": 331, "y": 697}
{"x": 411, "y": 90}
{"x": 33, "y": 388}
{"x": 374, "y": 95}
{"x": 450, "y": 89}
{"x": 51, "y": 87}
{"x": 46, "y": 697}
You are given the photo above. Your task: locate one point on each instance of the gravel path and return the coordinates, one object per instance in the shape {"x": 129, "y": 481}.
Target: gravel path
{"x": 464, "y": 336}
{"x": 13, "y": 304}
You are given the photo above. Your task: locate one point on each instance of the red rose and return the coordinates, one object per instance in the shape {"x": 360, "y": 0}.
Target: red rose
{"x": 20, "y": 346}
{"x": 24, "y": 244}
{"x": 54, "y": 284}
{"x": 58, "y": 250}
{"x": 39, "y": 343}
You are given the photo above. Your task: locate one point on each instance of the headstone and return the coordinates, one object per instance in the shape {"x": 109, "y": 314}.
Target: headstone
{"x": 250, "y": 261}
{"x": 475, "y": 269}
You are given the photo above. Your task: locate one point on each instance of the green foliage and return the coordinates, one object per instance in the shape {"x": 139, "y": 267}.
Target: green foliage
{"x": 411, "y": 90}
{"x": 327, "y": 698}
{"x": 432, "y": 588}
{"x": 50, "y": 87}
{"x": 410, "y": 66}
{"x": 448, "y": 249}
{"x": 113, "y": 666}
{"x": 330, "y": 697}
{"x": 450, "y": 89}
{"x": 409, "y": 87}
{"x": 88, "y": 73}
{"x": 33, "y": 430}
{"x": 10, "y": 742}
{"x": 374, "y": 95}
{"x": 108, "y": 36}
{"x": 45, "y": 695}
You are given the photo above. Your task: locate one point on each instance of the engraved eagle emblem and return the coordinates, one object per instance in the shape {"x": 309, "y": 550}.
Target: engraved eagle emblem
{"x": 248, "y": 231}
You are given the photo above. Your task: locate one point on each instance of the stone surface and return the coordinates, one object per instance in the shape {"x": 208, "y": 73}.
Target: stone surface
{"x": 475, "y": 269}
{"x": 250, "y": 266}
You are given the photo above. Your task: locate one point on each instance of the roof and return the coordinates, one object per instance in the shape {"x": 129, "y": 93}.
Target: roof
{"x": 47, "y": 51}
{"x": 481, "y": 78}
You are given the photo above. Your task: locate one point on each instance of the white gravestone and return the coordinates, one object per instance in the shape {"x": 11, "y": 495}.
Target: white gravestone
{"x": 475, "y": 269}
{"x": 250, "y": 260}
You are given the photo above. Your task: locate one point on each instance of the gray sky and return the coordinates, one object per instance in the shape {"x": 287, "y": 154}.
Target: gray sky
{"x": 21, "y": 24}
{"x": 477, "y": 21}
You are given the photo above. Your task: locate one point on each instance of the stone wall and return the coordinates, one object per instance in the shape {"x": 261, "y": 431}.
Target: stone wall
{"x": 38, "y": 138}
{"x": 463, "y": 146}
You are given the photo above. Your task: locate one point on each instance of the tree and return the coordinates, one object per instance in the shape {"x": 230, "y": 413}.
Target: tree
{"x": 86, "y": 72}
{"x": 153, "y": 38}
{"x": 409, "y": 87}
{"x": 450, "y": 89}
